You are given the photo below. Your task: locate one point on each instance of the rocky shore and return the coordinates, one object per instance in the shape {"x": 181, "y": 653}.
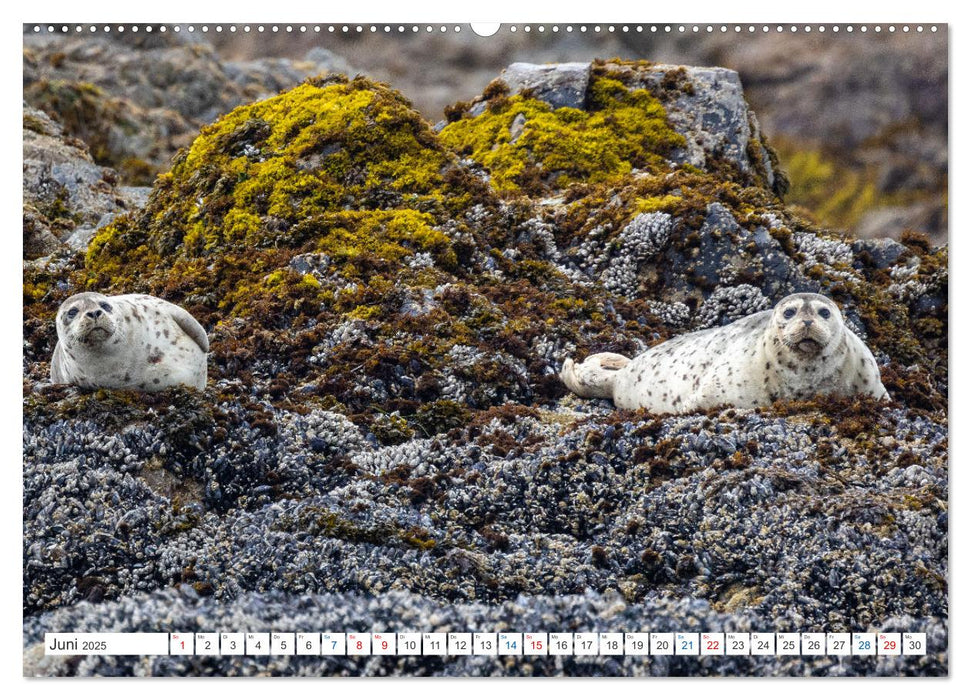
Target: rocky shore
{"x": 384, "y": 443}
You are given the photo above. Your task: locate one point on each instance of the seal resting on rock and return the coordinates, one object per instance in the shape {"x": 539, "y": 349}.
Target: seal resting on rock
{"x": 796, "y": 350}
{"x": 132, "y": 341}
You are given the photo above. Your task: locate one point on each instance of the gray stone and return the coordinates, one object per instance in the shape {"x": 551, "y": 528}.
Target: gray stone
{"x": 516, "y": 128}
{"x": 883, "y": 251}
{"x": 719, "y": 251}
{"x": 328, "y": 61}
{"x": 82, "y": 235}
{"x": 713, "y": 116}
{"x": 135, "y": 197}
{"x": 159, "y": 92}
{"x": 894, "y": 220}
{"x": 39, "y": 241}
{"x": 558, "y": 84}
{"x": 65, "y": 192}
{"x": 309, "y": 263}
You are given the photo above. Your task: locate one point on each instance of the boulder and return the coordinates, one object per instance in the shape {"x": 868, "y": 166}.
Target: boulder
{"x": 557, "y": 84}
{"x": 66, "y": 195}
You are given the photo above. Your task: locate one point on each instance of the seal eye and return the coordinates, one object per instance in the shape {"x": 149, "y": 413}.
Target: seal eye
{"x": 72, "y": 313}
{"x": 825, "y": 313}
{"x": 106, "y": 306}
{"x": 788, "y": 313}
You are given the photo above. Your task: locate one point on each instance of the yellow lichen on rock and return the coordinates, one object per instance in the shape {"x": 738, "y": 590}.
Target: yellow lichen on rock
{"x": 526, "y": 144}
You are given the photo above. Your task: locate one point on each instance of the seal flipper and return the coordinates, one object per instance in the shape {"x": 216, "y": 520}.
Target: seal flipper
{"x": 189, "y": 325}
{"x": 594, "y": 377}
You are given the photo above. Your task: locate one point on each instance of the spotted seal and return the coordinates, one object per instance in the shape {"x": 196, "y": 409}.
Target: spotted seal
{"x": 132, "y": 341}
{"x": 798, "y": 349}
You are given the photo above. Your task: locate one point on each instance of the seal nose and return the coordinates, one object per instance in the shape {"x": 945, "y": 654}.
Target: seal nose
{"x": 94, "y": 314}
{"x": 808, "y": 321}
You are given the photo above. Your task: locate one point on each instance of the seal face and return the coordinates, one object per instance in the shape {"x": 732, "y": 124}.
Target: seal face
{"x": 132, "y": 341}
{"x": 799, "y": 349}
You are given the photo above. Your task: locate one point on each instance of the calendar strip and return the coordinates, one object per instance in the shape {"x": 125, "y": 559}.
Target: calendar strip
{"x": 455, "y": 644}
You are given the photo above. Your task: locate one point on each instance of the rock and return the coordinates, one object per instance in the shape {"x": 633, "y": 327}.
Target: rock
{"x": 882, "y": 127}
{"x": 704, "y": 105}
{"x": 884, "y": 252}
{"x": 66, "y": 195}
{"x": 135, "y": 197}
{"x": 82, "y": 235}
{"x": 923, "y": 216}
{"x": 396, "y": 610}
{"x": 709, "y": 109}
{"x": 558, "y": 84}
{"x": 136, "y": 103}
{"x": 722, "y": 253}
{"x": 264, "y": 77}
{"x": 866, "y": 84}
{"x": 39, "y": 241}
{"x": 884, "y": 121}
{"x": 516, "y": 128}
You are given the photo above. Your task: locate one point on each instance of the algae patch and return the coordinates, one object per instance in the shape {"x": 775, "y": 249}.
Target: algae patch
{"x": 527, "y": 145}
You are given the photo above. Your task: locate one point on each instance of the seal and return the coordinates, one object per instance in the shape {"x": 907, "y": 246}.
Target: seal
{"x": 799, "y": 348}
{"x": 132, "y": 341}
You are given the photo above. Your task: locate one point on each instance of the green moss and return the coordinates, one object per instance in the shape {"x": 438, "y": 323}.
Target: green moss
{"x": 365, "y": 312}
{"x": 55, "y": 209}
{"x": 391, "y": 429}
{"x": 623, "y": 129}
{"x": 389, "y": 235}
{"x": 32, "y": 123}
{"x": 304, "y": 151}
{"x": 250, "y": 177}
{"x": 417, "y": 538}
{"x": 441, "y": 416}
{"x": 136, "y": 172}
{"x": 834, "y": 191}
{"x": 665, "y": 202}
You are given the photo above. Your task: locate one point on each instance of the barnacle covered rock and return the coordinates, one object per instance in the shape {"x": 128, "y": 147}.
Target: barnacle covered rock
{"x": 388, "y": 307}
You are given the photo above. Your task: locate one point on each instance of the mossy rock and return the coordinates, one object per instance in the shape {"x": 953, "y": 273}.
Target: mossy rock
{"x": 527, "y": 145}
{"x": 343, "y": 254}
{"x": 332, "y": 204}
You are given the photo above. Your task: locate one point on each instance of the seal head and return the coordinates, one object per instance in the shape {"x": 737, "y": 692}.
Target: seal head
{"x": 809, "y": 325}
{"x": 86, "y": 319}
